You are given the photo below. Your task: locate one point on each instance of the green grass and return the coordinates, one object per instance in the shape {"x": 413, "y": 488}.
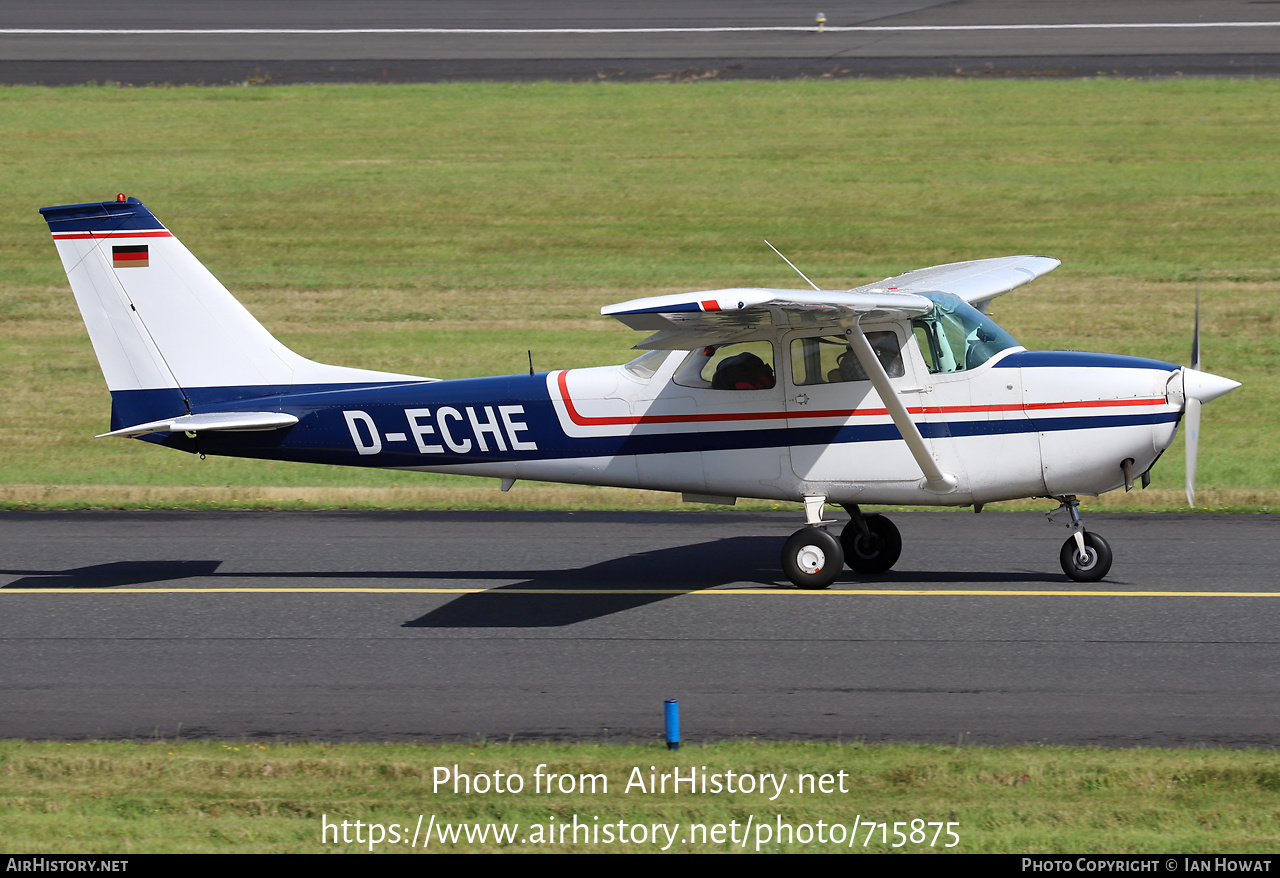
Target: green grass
{"x": 175, "y": 796}
{"x": 446, "y": 229}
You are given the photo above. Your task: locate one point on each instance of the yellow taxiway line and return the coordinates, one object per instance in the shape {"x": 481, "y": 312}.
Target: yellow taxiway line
{"x": 764, "y": 590}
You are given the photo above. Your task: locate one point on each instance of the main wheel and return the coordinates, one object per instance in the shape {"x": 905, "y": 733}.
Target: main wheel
{"x": 875, "y": 553}
{"x": 812, "y": 558}
{"x": 1091, "y": 566}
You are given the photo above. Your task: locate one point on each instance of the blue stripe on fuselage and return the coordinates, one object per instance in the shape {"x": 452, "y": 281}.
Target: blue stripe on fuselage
{"x": 322, "y": 434}
{"x": 1079, "y": 360}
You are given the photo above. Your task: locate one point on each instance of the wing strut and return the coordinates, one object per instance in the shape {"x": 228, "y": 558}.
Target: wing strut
{"x": 936, "y": 480}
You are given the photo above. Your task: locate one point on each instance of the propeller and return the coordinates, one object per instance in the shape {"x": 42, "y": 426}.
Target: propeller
{"x": 1198, "y": 388}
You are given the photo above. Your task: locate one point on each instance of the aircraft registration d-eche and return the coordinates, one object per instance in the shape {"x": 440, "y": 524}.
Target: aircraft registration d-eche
{"x": 893, "y": 393}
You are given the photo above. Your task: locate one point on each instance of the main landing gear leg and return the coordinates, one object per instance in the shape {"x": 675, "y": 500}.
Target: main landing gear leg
{"x": 871, "y": 543}
{"x": 811, "y": 557}
{"x": 1085, "y": 556}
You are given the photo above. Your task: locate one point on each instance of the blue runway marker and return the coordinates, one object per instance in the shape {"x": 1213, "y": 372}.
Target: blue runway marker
{"x": 671, "y": 713}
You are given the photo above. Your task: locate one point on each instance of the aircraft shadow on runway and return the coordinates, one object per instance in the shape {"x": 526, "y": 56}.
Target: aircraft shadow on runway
{"x": 114, "y": 574}
{"x": 567, "y": 596}
{"x": 613, "y": 586}
{"x": 741, "y": 561}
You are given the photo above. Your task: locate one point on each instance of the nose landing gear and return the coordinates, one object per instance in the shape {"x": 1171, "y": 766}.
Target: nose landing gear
{"x": 1085, "y": 556}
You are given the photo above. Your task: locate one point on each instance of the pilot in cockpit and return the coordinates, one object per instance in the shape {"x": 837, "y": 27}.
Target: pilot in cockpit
{"x": 887, "y": 351}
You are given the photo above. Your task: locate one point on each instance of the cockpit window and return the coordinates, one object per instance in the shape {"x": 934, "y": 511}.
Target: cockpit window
{"x": 745, "y": 366}
{"x": 829, "y": 359}
{"x": 955, "y": 336}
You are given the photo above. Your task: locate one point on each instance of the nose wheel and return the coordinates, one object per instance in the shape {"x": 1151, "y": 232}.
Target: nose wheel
{"x": 1090, "y": 565}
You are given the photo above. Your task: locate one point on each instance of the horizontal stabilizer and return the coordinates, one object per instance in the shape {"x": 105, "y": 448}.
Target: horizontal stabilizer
{"x": 229, "y": 422}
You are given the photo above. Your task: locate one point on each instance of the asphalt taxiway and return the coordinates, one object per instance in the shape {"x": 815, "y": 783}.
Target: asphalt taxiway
{"x": 238, "y": 41}
{"x": 435, "y": 626}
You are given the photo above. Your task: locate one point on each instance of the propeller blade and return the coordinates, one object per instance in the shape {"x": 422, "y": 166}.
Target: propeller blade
{"x": 1192, "y": 414}
{"x": 1191, "y": 419}
{"x": 1195, "y": 338}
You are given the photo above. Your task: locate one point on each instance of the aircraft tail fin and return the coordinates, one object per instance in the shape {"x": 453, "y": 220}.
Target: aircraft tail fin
{"x": 167, "y": 334}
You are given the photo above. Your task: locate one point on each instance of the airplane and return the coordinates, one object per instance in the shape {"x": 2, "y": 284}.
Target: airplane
{"x": 902, "y": 392}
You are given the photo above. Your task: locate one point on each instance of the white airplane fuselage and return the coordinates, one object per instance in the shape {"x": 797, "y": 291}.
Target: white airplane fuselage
{"x": 1024, "y": 424}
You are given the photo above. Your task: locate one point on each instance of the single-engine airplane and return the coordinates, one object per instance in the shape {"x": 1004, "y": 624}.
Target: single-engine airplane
{"x": 898, "y": 392}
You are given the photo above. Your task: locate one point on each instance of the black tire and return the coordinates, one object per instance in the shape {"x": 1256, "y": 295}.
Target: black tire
{"x": 874, "y": 555}
{"x": 1091, "y": 568}
{"x": 812, "y": 558}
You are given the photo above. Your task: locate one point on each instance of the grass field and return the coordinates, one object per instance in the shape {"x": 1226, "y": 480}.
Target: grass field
{"x": 446, "y": 229}
{"x": 174, "y": 796}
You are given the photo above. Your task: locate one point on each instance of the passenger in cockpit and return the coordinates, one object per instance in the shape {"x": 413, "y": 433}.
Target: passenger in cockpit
{"x": 744, "y": 371}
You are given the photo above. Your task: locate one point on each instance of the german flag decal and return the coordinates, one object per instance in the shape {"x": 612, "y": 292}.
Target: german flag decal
{"x": 132, "y": 256}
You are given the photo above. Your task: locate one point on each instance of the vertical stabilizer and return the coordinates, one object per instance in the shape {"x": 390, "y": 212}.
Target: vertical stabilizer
{"x": 160, "y": 321}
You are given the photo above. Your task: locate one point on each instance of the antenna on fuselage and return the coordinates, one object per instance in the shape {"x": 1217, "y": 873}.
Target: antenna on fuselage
{"x": 793, "y": 265}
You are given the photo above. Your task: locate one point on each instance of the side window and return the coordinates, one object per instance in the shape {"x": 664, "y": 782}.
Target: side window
{"x": 828, "y": 359}
{"x": 744, "y": 366}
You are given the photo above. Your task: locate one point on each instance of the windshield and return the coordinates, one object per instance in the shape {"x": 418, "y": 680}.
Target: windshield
{"x": 955, "y": 336}
{"x": 645, "y": 365}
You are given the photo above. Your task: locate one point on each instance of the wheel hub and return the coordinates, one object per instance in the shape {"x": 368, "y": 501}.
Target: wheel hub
{"x": 1087, "y": 560}
{"x": 867, "y": 546}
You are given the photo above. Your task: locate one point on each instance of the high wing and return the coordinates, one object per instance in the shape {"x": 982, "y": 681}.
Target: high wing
{"x": 977, "y": 281}
{"x": 715, "y": 317}
{"x": 689, "y": 320}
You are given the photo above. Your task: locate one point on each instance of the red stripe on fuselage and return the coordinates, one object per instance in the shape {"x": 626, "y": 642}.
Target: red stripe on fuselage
{"x": 628, "y": 420}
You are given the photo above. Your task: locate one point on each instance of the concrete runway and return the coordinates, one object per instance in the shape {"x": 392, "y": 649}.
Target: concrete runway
{"x": 421, "y": 626}
{"x": 133, "y": 41}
